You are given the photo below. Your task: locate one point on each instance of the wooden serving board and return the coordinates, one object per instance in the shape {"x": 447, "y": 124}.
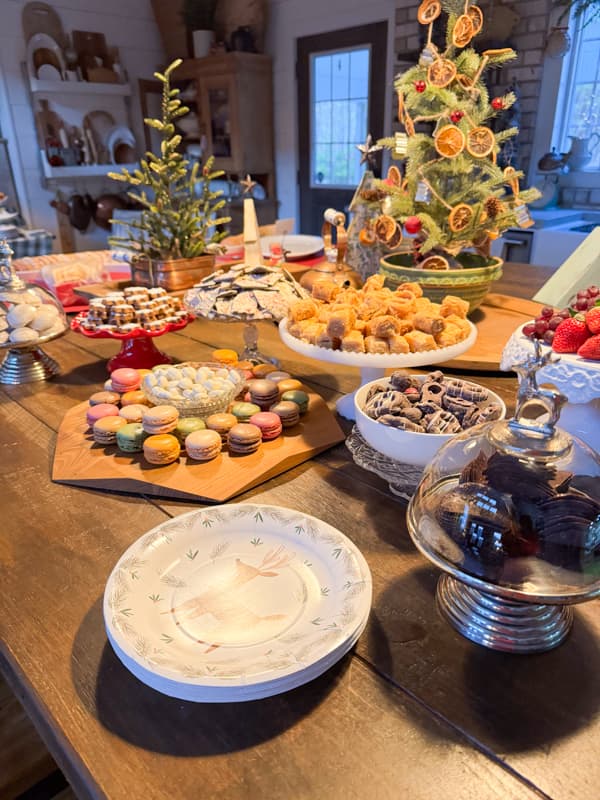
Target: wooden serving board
{"x": 81, "y": 462}
{"x": 496, "y": 319}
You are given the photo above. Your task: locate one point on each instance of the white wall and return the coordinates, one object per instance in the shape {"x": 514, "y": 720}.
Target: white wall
{"x": 289, "y": 20}
{"x": 128, "y": 25}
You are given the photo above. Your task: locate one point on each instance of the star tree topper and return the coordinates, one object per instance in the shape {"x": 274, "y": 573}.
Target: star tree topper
{"x": 368, "y": 150}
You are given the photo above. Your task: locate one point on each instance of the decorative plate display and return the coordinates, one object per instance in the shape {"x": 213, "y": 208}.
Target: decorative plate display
{"x": 236, "y": 602}
{"x": 296, "y": 247}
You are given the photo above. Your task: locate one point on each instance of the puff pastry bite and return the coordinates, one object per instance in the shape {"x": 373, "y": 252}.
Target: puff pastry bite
{"x": 419, "y": 341}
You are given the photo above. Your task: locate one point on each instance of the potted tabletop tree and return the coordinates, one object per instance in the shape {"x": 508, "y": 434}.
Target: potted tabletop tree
{"x": 450, "y": 194}
{"x": 174, "y": 241}
{"x": 199, "y": 18}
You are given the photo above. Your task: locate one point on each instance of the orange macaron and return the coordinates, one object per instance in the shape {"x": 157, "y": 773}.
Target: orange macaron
{"x": 162, "y": 448}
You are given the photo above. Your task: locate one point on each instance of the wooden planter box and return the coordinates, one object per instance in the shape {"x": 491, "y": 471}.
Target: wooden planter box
{"x": 175, "y": 275}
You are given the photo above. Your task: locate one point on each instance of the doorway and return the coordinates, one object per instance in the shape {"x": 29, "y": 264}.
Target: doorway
{"x": 341, "y": 98}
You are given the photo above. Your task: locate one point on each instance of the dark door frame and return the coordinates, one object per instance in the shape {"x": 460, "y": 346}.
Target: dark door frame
{"x": 374, "y": 34}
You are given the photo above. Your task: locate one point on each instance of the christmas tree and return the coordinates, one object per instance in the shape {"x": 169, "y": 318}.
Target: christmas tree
{"x": 180, "y": 211}
{"x": 448, "y": 190}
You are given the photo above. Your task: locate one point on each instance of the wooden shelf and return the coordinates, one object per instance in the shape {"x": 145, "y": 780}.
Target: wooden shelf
{"x": 78, "y": 87}
{"x": 82, "y": 171}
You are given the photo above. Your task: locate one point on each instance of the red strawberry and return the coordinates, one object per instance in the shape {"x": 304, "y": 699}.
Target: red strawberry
{"x": 570, "y": 335}
{"x": 592, "y": 319}
{"x": 591, "y": 348}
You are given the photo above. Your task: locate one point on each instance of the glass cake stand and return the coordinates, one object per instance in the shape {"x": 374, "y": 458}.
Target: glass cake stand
{"x": 138, "y": 350}
{"x": 373, "y": 366}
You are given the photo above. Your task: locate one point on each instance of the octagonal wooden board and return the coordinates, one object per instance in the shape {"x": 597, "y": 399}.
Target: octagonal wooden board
{"x": 79, "y": 461}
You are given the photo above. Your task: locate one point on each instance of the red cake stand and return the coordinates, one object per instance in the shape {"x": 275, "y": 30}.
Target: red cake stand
{"x": 138, "y": 350}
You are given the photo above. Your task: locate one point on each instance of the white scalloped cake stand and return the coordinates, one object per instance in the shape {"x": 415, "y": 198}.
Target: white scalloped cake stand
{"x": 577, "y": 378}
{"x": 373, "y": 366}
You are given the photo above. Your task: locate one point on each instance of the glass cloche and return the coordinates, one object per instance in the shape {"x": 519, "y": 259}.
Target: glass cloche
{"x": 510, "y": 511}
{"x": 29, "y": 317}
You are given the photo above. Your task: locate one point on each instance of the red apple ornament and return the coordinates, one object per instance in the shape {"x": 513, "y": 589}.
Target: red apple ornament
{"x": 498, "y": 103}
{"x": 420, "y": 86}
{"x": 456, "y": 116}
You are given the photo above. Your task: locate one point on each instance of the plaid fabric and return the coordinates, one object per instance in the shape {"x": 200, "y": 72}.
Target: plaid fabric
{"x": 37, "y": 244}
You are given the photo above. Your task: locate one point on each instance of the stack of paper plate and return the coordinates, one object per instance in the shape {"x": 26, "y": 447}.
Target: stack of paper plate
{"x": 236, "y": 602}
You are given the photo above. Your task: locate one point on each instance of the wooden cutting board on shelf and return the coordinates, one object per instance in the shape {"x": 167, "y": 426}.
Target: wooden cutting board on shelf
{"x": 81, "y": 462}
{"x": 496, "y": 320}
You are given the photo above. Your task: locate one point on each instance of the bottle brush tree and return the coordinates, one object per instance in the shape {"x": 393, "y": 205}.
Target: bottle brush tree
{"x": 180, "y": 211}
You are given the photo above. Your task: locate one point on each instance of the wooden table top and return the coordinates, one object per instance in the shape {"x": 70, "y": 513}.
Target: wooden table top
{"x": 414, "y": 712}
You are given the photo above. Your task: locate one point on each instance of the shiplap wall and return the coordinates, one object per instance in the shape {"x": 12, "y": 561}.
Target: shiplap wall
{"x": 128, "y": 25}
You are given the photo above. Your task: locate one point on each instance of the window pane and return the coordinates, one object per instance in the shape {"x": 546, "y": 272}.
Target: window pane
{"x": 322, "y": 77}
{"x": 339, "y": 115}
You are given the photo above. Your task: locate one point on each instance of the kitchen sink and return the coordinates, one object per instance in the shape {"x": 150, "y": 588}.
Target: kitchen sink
{"x": 588, "y": 228}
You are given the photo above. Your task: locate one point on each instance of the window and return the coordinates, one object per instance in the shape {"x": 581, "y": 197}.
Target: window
{"x": 578, "y": 108}
{"x": 339, "y": 110}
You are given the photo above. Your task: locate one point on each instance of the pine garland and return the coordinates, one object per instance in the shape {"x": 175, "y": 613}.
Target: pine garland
{"x": 180, "y": 212}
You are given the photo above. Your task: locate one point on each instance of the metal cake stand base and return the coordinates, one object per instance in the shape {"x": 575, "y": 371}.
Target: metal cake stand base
{"x": 499, "y": 624}
{"x": 27, "y": 365}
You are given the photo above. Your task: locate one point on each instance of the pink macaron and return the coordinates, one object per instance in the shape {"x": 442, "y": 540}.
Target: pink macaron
{"x": 160, "y": 419}
{"x": 125, "y": 379}
{"x": 94, "y": 413}
{"x": 269, "y": 424}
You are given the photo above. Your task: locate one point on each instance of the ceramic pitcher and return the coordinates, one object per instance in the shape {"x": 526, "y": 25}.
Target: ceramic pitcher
{"x": 582, "y": 150}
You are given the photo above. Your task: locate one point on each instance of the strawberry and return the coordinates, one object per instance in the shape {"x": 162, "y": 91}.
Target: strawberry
{"x": 591, "y": 348}
{"x": 570, "y": 335}
{"x": 592, "y": 319}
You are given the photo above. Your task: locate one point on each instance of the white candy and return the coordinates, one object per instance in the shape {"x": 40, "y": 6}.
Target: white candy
{"x": 20, "y": 316}
{"x": 163, "y": 394}
{"x": 186, "y": 383}
{"x": 23, "y": 335}
{"x": 189, "y": 372}
{"x": 45, "y": 317}
{"x": 162, "y": 381}
{"x": 150, "y": 381}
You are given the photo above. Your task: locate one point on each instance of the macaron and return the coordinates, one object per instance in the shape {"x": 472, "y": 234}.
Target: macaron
{"x": 288, "y": 385}
{"x": 222, "y": 423}
{"x": 161, "y": 449}
{"x": 135, "y": 397}
{"x": 277, "y": 376}
{"x": 125, "y": 379}
{"x": 133, "y": 413}
{"x": 270, "y": 424}
{"x": 203, "y": 445}
{"x": 160, "y": 419}
{"x": 263, "y": 392}
{"x": 105, "y": 429}
{"x": 104, "y": 397}
{"x": 143, "y": 372}
{"x": 130, "y": 437}
{"x": 243, "y": 411}
{"x": 94, "y": 413}
{"x": 298, "y": 397}
{"x": 224, "y": 356}
{"x": 262, "y": 370}
{"x": 187, "y": 425}
{"x": 244, "y": 438}
{"x": 288, "y": 412}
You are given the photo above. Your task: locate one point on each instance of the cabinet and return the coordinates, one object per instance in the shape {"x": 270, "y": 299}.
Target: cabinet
{"x": 235, "y": 105}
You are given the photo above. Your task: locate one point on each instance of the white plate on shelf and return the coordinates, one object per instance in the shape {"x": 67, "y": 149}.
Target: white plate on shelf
{"x": 296, "y": 246}
{"x": 236, "y": 602}
{"x": 42, "y": 41}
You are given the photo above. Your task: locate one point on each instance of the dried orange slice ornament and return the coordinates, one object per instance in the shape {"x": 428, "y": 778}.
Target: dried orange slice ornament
{"x": 441, "y": 72}
{"x": 385, "y": 228}
{"x": 450, "y": 141}
{"x": 435, "y": 262}
{"x": 462, "y": 33}
{"x": 460, "y": 217}
{"x": 480, "y": 142}
{"x": 409, "y": 125}
{"x": 400, "y": 106}
{"x": 429, "y": 10}
{"x": 395, "y": 238}
{"x": 394, "y": 176}
{"x": 476, "y": 15}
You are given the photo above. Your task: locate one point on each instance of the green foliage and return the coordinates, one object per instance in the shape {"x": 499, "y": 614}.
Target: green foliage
{"x": 463, "y": 178}
{"x": 180, "y": 213}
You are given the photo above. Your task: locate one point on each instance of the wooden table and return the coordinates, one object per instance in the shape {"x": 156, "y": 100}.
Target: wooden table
{"x": 415, "y": 712}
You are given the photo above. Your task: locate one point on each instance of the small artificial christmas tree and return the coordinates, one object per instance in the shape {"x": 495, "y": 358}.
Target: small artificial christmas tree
{"x": 179, "y": 215}
{"x": 450, "y": 193}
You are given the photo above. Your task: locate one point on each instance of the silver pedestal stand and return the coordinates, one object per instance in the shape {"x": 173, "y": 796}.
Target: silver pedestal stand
{"x": 27, "y": 362}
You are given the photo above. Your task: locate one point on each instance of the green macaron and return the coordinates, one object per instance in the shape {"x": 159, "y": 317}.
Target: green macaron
{"x": 243, "y": 411}
{"x": 299, "y": 397}
{"x": 188, "y": 425}
{"x": 130, "y": 438}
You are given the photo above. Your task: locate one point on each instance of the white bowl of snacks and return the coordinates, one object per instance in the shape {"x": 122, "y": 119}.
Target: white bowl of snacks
{"x": 409, "y": 417}
{"x": 195, "y": 389}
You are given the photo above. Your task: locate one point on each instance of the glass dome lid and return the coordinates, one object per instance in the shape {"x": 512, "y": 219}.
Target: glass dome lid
{"x": 512, "y": 508}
